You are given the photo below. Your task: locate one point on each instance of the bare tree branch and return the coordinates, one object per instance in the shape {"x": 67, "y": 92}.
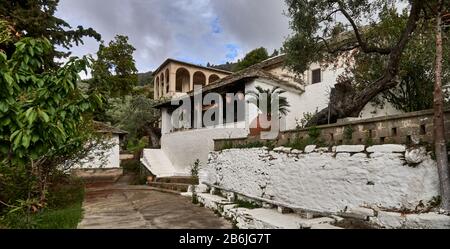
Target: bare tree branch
{"x": 362, "y": 43}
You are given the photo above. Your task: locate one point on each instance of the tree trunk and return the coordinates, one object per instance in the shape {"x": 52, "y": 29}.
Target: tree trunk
{"x": 345, "y": 101}
{"x": 440, "y": 144}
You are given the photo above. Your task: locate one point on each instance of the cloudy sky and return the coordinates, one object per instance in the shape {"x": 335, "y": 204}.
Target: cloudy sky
{"x": 197, "y": 31}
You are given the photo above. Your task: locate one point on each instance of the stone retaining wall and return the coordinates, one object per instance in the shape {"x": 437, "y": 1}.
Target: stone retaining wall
{"x": 382, "y": 177}
{"x": 98, "y": 175}
{"x": 408, "y": 128}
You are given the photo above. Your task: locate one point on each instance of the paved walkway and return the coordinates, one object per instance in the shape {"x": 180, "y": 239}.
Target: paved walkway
{"x": 120, "y": 206}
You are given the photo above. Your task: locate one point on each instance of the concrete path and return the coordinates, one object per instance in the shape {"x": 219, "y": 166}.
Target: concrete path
{"x": 120, "y": 206}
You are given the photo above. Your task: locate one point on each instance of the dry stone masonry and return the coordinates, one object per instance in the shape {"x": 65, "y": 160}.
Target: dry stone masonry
{"x": 379, "y": 183}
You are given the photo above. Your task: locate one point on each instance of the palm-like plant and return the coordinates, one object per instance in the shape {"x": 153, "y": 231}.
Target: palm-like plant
{"x": 271, "y": 97}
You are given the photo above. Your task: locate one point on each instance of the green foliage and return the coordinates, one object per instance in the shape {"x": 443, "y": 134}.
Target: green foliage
{"x": 312, "y": 139}
{"x": 314, "y": 132}
{"x": 267, "y": 98}
{"x": 416, "y": 70}
{"x": 40, "y": 112}
{"x": 15, "y": 184}
{"x": 369, "y": 140}
{"x": 299, "y": 144}
{"x": 322, "y": 33}
{"x": 348, "y": 133}
{"x": 63, "y": 211}
{"x": 134, "y": 114}
{"x": 248, "y": 145}
{"x": 64, "y": 191}
{"x": 136, "y": 146}
{"x": 114, "y": 72}
{"x": 253, "y": 57}
{"x": 195, "y": 168}
{"x": 44, "y": 120}
{"x": 301, "y": 123}
{"x": 6, "y": 31}
{"x": 36, "y": 19}
{"x": 146, "y": 79}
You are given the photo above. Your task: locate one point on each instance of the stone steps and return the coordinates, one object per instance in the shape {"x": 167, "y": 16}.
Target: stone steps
{"x": 262, "y": 218}
{"x": 179, "y": 187}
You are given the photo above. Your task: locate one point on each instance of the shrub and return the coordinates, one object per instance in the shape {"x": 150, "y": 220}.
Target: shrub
{"x": 248, "y": 145}
{"x": 348, "y": 133}
{"x": 63, "y": 211}
{"x": 314, "y": 132}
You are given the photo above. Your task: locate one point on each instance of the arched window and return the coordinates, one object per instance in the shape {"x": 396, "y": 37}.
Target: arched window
{"x": 157, "y": 87}
{"x": 213, "y": 78}
{"x": 182, "y": 80}
{"x": 163, "y": 83}
{"x": 199, "y": 78}
{"x": 167, "y": 80}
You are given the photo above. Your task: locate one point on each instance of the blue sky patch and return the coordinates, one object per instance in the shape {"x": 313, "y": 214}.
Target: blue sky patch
{"x": 232, "y": 51}
{"x": 215, "y": 26}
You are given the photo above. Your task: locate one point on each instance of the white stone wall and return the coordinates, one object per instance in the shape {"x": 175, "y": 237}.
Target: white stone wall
{"x": 166, "y": 125}
{"x": 373, "y": 111}
{"x": 184, "y": 147}
{"x": 326, "y": 181}
{"x": 103, "y": 158}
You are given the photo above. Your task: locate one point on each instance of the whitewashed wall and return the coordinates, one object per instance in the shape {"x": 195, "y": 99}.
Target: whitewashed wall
{"x": 184, "y": 147}
{"x": 373, "y": 111}
{"x": 109, "y": 160}
{"x": 166, "y": 125}
{"x": 326, "y": 181}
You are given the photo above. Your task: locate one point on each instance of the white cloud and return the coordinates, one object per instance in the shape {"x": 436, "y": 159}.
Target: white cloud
{"x": 196, "y": 30}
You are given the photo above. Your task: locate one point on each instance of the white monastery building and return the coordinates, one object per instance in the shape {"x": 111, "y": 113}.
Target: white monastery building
{"x": 182, "y": 145}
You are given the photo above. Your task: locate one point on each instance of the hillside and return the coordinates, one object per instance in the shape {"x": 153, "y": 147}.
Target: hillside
{"x": 229, "y": 66}
{"x": 145, "y": 79}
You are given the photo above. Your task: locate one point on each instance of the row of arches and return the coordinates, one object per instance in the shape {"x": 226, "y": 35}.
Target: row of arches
{"x": 162, "y": 83}
{"x": 182, "y": 81}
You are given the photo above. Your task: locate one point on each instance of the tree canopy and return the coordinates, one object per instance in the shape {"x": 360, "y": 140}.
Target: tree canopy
{"x": 114, "y": 72}
{"x": 43, "y": 114}
{"x": 251, "y": 58}
{"x": 376, "y": 34}
{"x": 36, "y": 19}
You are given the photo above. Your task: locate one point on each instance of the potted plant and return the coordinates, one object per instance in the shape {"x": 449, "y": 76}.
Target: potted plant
{"x": 264, "y": 119}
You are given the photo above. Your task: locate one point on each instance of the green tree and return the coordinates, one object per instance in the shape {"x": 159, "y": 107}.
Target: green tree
{"x": 114, "y": 72}
{"x": 36, "y": 19}
{"x": 326, "y": 30}
{"x": 6, "y": 31}
{"x": 253, "y": 57}
{"x": 414, "y": 91}
{"x": 275, "y": 53}
{"x": 44, "y": 117}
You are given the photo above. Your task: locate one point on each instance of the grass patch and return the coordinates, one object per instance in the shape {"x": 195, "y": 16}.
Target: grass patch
{"x": 64, "y": 209}
{"x": 66, "y": 218}
{"x": 249, "y": 145}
